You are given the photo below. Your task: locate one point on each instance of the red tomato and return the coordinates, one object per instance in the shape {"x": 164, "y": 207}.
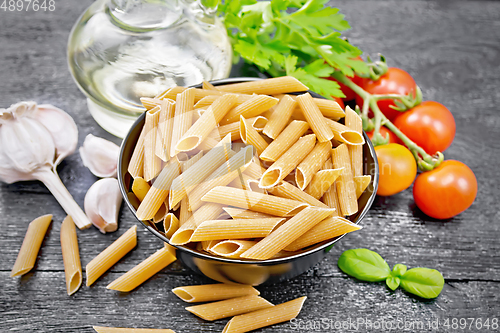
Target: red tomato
{"x": 430, "y": 125}
{"x": 445, "y": 191}
{"x": 340, "y": 101}
{"x": 395, "y": 81}
{"x": 397, "y": 168}
{"x": 384, "y": 131}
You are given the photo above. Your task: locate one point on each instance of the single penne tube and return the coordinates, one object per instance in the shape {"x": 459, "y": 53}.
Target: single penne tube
{"x": 33, "y": 239}
{"x": 152, "y": 163}
{"x": 354, "y": 122}
{"x": 140, "y": 188}
{"x": 207, "y": 122}
{"x": 234, "y": 229}
{"x": 284, "y": 141}
{"x": 263, "y": 203}
{"x": 71, "y": 256}
{"x": 314, "y": 117}
{"x": 265, "y": 317}
{"x": 183, "y": 235}
{"x": 313, "y": 162}
{"x": 287, "y": 190}
{"x": 208, "y": 85}
{"x": 331, "y": 199}
{"x": 161, "y": 213}
{"x": 273, "y": 86}
{"x": 222, "y": 131}
{"x": 361, "y": 183}
{"x": 159, "y": 191}
{"x": 170, "y": 224}
{"x": 344, "y": 134}
{"x": 251, "y": 137}
{"x": 322, "y": 181}
{"x": 229, "y": 308}
{"x": 103, "y": 329}
{"x": 288, "y": 161}
{"x": 208, "y": 100}
{"x": 111, "y": 255}
{"x": 207, "y": 245}
{"x": 189, "y": 179}
{"x": 213, "y": 292}
{"x": 346, "y": 190}
{"x": 224, "y": 175}
{"x": 184, "y": 212}
{"x": 150, "y": 103}
{"x": 328, "y": 108}
{"x": 172, "y": 93}
{"x": 253, "y": 107}
{"x": 259, "y": 123}
{"x": 165, "y": 128}
{"x": 238, "y": 213}
{"x": 329, "y": 228}
{"x": 183, "y": 118}
{"x": 143, "y": 271}
{"x": 280, "y": 117}
{"x": 136, "y": 164}
{"x": 287, "y": 233}
{"x": 231, "y": 248}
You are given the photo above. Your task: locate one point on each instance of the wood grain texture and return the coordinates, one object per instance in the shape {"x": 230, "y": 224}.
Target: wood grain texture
{"x": 451, "y": 48}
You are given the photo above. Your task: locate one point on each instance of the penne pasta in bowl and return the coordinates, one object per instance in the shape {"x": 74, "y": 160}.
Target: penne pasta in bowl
{"x": 247, "y": 201}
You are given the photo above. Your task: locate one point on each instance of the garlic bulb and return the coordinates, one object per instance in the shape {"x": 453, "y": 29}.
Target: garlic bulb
{"x": 100, "y": 156}
{"x": 102, "y": 204}
{"x": 33, "y": 141}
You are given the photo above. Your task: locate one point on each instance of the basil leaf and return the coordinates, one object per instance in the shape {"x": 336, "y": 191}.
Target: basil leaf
{"x": 398, "y": 270}
{"x": 364, "y": 265}
{"x": 392, "y": 282}
{"x": 423, "y": 282}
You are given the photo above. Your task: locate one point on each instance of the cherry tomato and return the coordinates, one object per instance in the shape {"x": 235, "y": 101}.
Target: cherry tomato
{"x": 340, "y": 101}
{"x": 430, "y": 125}
{"x": 445, "y": 191}
{"x": 395, "y": 81}
{"x": 384, "y": 131}
{"x": 397, "y": 168}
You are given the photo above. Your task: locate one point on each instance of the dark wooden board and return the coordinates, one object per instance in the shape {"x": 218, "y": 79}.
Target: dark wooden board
{"x": 452, "y": 49}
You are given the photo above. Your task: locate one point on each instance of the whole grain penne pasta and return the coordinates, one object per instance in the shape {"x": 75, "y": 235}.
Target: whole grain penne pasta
{"x": 222, "y": 131}
{"x": 208, "y": 211}
{"x": 331, "y": 199}
{"x": 328, "y": 108}
{"x": 234, "y": 229}
{"x": 344, "y": 134}
{"x": 184, "y": 212}
{"x": 209, "y": 143}
{"x": 354, "y": 122}
{"x": 200, "y": 130}
{"x": 183, "y": 118}
{"x": 111, "y": 255}
{"x": 329, "y": 228}
{"x": 189, "y": 179}
{"x": 161, "y": 213}
{"x": 346, "y": 189}
{"x": 208, "y": 100}
{"x": 208, "y": 85}
{"x": 170, "y": 224}
{"x": 143, "y": 271}
{"x": 251, "y": 137}
{"x": 225, "y": 174}
{"x": 229, "y": 308}
{"x": 361, "y": 183}
{"x": 136, "y": 164}
{"x": 207, "y": 245}
{"x": 313, "y": 162}
{"x": 231, "y": 248}
{"x": 314, "y": 117}
{"x": 213, "y": 292}
{"x": 287, "y": 190}
{"x": 287, "y": 233}
{"x": 253, "y": 107}
{"x": 150, "y": 103}
{"x": 71, "y": 256}
{"x": 165, "y": 128}
{"x": 152, "y": 163}
{"x": 322, "y": 181}
{"x": 158, "y": 193}
{"x": 273, "y": 86}
{"x": 103, "y": 329}
{"x": 33, "y": 239}
{"x": 287, "y": 162}
{"x": 280, "y": 117}
{"x": 284, "y": 141}
{"x": 264, "y": 203}
{"x": 172, "y": 93}
{"x": 238, "y": 213}
{"x": 259, "y": 122}
{"x": 261, "y": 318}
{"x": 140, "y": 188}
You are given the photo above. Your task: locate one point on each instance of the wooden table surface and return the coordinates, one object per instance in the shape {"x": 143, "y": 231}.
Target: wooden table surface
{"x": 451, "y": 48}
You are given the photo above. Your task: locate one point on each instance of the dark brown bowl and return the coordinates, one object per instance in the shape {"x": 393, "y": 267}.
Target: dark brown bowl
{"x": 245, "y": 271}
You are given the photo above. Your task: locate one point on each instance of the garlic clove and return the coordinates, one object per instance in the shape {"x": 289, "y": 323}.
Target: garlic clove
{"x": 62, "y": 128}
{"x": 100, "y": 156}
{"x": 102, "y": 204}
